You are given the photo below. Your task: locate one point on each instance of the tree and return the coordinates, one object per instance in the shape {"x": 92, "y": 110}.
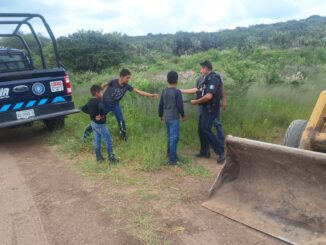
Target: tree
{"x": 92, "y": 50}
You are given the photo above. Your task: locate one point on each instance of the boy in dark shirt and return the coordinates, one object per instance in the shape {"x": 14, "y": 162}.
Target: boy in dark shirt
{"x": 95, "y": 109}
{"x": 170, "y": 109}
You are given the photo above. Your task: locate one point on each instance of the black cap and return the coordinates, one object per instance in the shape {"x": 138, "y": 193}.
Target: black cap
{"x": 207, "y": 64}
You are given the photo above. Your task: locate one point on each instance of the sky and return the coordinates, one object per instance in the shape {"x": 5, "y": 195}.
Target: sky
{"x": 140, "y": 17}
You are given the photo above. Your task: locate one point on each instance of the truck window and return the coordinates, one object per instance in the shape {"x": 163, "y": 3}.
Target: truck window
{"x": 13, "y": 62}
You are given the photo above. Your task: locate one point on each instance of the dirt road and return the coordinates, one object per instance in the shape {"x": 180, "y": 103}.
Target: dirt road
{"x": 44, "y": 202}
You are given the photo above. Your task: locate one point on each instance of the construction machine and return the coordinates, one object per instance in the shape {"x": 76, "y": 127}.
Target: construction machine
{"x": 278, "y": 189}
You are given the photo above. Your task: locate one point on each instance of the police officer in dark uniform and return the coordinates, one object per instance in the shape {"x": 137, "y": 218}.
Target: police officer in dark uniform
{"x": 208, "y": 97}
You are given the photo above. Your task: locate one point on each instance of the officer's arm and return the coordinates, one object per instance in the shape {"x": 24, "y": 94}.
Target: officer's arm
{"x": 143, "y": 93}
{"x": 189, "y": 91}
{"x": 205, "y": 98}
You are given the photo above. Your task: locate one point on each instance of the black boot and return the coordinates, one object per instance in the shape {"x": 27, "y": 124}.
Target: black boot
{"x": 221, "y": 159}
{"x": 204, "y": 155}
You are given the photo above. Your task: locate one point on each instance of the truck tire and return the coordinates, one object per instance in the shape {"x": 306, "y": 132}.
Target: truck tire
{"x": 294, "y": 132}
{"x": 55, "y": 123}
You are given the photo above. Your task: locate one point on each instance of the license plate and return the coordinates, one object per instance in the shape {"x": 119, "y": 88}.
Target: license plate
{"x": 25, "y": 114}
{"x": 56, "y": 86}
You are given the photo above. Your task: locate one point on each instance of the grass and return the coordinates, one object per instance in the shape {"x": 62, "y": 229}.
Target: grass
{"x": 196, "y": 170}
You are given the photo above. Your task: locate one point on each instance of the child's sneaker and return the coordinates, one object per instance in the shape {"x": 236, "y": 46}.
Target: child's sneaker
{"x": 112, "y": 158}
{"x": 123, "y": 135}
{"x": 174, "y": 163}
{"x": 100, "y": 160}
{"x": 88, "y": 130}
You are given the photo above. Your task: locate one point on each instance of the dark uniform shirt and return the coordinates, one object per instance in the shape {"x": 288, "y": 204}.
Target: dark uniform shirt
{"x": 115, "y": 91}
{"x": 94, "y": 107}
{"x": 171, "y": 105}
{"x": 212, "y": 84}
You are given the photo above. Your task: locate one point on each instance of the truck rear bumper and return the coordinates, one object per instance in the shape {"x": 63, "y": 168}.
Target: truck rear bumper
{"x": 9, "y": 119}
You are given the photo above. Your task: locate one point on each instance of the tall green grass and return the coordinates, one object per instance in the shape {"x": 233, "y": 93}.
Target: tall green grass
{"x": 260, "y": 110}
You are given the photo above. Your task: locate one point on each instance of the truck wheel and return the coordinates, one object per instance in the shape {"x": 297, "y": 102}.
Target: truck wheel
{"x": 294, "y": 132}
{"x": 55, "y": 123}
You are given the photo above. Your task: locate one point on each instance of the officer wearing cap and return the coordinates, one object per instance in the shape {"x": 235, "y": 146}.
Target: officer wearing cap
{"x": 217, "y": 123}
{"x": 208, "y": 97}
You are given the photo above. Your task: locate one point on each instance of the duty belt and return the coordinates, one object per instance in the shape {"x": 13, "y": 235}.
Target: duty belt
{"x": 211, "y": 108}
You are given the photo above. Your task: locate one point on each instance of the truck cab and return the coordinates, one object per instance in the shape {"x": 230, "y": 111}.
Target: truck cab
{"x": 27, "y": 93}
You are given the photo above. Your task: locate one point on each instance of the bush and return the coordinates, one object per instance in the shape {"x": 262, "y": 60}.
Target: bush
{"x": 92, "y": 50}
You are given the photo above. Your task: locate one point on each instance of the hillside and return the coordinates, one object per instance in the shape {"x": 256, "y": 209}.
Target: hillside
{"x": 290, "y": 34}
{"x": 95, "y": 51}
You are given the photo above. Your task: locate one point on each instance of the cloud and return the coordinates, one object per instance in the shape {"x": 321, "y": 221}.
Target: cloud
{"x": 139, "y": 17}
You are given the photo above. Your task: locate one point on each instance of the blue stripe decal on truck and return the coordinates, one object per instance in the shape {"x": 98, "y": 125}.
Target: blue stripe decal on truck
{"x": 42, "y": 101}
{"x": 31, "y": 103}
{"x": 58, "y": 99}
{"x": 18, "y": 106}
{"x": 5, "y": 108}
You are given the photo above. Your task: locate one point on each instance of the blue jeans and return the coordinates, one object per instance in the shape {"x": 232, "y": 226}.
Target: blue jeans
{"x": 172, "y": 128}
{"x": 100, "y": 131}
{"x": 219, "y": 130}
{"x": 206, "y": 136}
{"x": 115, "y": 108}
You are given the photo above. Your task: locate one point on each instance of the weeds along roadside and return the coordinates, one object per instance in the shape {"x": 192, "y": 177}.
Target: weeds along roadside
{"x": 260, "y": 104}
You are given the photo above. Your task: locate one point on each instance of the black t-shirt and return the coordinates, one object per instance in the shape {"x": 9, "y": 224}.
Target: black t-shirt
{"x": 212, "y": 84}
{"x": 115, "y": 91}
{"x": 94, "y": 107}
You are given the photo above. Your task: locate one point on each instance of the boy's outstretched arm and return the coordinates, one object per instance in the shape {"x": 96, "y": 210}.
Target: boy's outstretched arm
{"x": 160, "y": 109}
{"x": 143, "y": 93}
{"x": 189, "y": 90}
{"x": 105, "y": 85}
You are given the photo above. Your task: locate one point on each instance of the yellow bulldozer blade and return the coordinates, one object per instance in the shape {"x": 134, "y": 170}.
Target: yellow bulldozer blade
{"x": 278, "y": 190}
